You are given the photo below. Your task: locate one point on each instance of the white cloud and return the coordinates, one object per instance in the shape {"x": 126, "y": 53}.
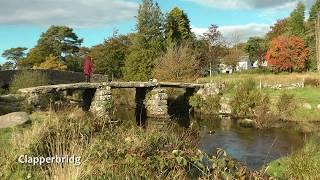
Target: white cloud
{"x": 244, "y": 32}
{"x": 80, "y": 13}
{"x": 250, "y": 4}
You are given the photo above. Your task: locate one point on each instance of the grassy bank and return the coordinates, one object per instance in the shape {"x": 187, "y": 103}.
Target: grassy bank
{"x": 113, "y": 151}
{"x": 303, "y": 164}
{"x": 267, "y": 78}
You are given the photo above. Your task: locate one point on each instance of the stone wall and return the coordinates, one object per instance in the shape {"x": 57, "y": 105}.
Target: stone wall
{"x": 102, "y": 103}
{"x": 210, "y": 89}
{"x": 55, "y": 76}
{"x": 157, "y": 103}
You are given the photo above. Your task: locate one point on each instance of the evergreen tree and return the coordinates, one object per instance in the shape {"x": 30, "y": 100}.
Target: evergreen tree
{"x": 311, "y": 36}
{"x": 177, "y": 27}
{"x": 109, "y": 57}
{"x": 147, "y": 42}
{"x": 296, "y": 21}
{"x": 315, "y": 9}
{"x": 60, "y": 41}
{"x": 15, "y": 55}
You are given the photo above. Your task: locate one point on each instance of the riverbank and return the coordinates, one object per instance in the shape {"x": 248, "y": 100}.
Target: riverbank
{"x": 302, "y": 164}
{"x": 111, "y": 150}
{"x": 267, "y": 78}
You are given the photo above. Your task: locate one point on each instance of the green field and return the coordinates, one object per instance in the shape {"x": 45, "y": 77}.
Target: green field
{"x": 267, "y": 78}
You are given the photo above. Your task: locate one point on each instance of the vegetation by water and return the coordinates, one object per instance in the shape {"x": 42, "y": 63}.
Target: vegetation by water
{"x": 113, "y": 151}
{"x": 303, "y": 164}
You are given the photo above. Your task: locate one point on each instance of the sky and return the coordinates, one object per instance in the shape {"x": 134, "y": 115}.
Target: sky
{"x": 23, "y": 21}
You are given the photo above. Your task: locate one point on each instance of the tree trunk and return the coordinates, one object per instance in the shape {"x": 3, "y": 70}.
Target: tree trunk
{"x": 318, "y": 41}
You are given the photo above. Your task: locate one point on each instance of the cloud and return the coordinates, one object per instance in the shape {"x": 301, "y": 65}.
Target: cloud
{"x": 243, "y": 32}
{"x": 250, "y": 4}
{"x": 80, "y": 13}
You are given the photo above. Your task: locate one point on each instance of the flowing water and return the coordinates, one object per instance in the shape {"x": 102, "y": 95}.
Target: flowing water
{"x": 252, "y": 147}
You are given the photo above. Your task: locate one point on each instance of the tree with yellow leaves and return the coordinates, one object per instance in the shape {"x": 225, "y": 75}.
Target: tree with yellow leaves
{"x": 52, "y": 62}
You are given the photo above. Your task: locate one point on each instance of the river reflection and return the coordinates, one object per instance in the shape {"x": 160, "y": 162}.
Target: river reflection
{"x": 252, "y": 147}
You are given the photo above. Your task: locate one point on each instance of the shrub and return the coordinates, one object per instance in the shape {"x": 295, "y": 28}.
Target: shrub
{"x": 246, "y": 98}
{"x": 286, "y": 106}
{"x": 25, "y": 79}
{"x": 207, "y": 105}
{"x": 263, "y": 113}
{"x": 312, "y": 82}
{"x": 177, "y": 64}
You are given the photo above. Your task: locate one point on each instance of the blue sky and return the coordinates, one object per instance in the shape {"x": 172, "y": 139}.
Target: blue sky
{"x": 23, "y": 21}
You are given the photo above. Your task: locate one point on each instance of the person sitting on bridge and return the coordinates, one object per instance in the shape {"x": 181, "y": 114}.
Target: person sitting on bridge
{"x": 88, "y": 68}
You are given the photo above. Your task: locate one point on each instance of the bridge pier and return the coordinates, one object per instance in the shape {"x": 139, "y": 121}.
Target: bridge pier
{"x": 102, "y": 103}
{"x": 141, "y": 111}
{"x": 157, "y": 103}
{"x": 33, "y": 99}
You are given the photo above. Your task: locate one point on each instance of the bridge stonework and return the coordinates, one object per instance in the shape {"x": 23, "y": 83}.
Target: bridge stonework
{"x": 157, "y": 103}
{"x": 102, "y": 102}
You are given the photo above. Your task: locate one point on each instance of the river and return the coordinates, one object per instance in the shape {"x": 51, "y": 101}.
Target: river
{"x": 252, "y": 147}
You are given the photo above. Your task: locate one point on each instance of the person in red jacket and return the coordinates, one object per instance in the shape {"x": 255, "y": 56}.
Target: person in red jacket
{"x": 87, "y": 68}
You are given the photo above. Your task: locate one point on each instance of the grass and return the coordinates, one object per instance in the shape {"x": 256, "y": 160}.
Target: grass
{"x": 303, "y": 95}
{"x": 309, "y": 95}
{"x": 303, "y": 164}
{"x": 270, "y": 79}
{"x": 113, "y": 151}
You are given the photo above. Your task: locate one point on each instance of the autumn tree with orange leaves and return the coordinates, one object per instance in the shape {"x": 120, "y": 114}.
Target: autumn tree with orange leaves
{"x": 287, "y": 53}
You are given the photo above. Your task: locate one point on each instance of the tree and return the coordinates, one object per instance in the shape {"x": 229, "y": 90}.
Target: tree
{"x": 8, "y": 66}
{"x": 235, "y": 52}
{"x": 233, "y": 56}
{"x": 256, "y": 47}
{"x": 109, "y": 57}
{"x": 15, "y": 54}
{"x": 287, "y": 53}
{"x": 215, "y": 47}
{"x": 147, "y": 43}
{"x": 179, "y": 63}
{"x": 74, "y": 62}
{"x": 278, "y": 29}
{"x": 52, "y": 62}
{"x": 295, "y": 24}
{"x": 60, "y": 41}
{"x": 314, "y": 11}
{"x": 311, "y": 35}
{"x": 177, "y": 27}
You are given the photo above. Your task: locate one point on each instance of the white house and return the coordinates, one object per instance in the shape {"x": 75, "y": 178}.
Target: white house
{"x": 244, "y": 64}
{"x": 225, "y": 69}
{"x": 257, "y": 64}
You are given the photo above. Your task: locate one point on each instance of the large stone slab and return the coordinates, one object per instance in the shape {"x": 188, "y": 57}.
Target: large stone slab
{"x": 13, "y": 119}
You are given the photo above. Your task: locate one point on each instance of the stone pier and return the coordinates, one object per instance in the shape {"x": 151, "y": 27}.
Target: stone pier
{"x": 141, "y": 111}
{"x": 157, "y": 103}
{"x": 102, "y": 103}
{"x": 33, "y": 99}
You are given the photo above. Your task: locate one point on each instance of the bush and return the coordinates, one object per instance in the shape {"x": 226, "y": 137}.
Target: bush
{"x": 312, "y": 82}
{"x": 263, "y": 113}
{"x": 286, "y": 106}
{"x": 177, "y": 64}
{"x": 207, "y": 105}
{"x": 25, "y": 79}
{"x": 246, "y": 98}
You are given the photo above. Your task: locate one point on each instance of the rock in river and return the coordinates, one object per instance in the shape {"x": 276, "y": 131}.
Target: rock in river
{"x": 247, "y": 123}
{"x": 13, "y": 119}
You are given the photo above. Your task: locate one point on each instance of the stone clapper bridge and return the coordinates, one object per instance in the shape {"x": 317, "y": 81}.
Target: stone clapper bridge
{"x": 156, "y": 106}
